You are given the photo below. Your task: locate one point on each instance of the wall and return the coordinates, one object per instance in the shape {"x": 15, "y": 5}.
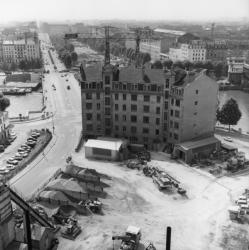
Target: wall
{"x": 89, "y": 154}
{"x": 205, "y": 118}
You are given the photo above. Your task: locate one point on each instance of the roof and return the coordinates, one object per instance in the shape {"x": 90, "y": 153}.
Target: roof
{"x": 55, "y": 195}
{"x": 197, "y": 143}
{"x": 22, "y": 84}
{"x": 127, "y": 74}
{"x": 133, "y": 230}
{"x": 104, "y": 144}
{"x": 19, "y": 42}
{"x": 172, "y": 32}
{"x": 228, "y": 147}
{"x": 63, "y": 184}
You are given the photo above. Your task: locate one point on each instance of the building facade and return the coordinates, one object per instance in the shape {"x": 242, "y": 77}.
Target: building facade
{"x": 146, "y": 106}
{"x": 15, "y": 51}
{"x": 235, "y": 69}
{"x": 4, "y": 127}
{"x": 216, "y": 50}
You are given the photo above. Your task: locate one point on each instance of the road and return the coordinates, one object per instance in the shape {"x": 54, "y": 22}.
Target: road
{"x": 65, "y": 105}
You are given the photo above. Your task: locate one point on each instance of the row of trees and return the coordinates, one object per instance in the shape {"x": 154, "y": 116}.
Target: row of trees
{"x": 23, "y": 65}
{"x": 219, "y": 68}
{"x": 68, "y": 55}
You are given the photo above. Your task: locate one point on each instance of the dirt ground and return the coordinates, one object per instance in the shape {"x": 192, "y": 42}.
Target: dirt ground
{"x": 199, "y": 221}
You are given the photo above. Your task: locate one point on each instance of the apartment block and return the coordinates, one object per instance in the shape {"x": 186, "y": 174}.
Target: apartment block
{"x": 148, "y": 106}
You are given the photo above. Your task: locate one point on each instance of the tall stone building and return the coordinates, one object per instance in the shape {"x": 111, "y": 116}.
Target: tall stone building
{"x": 148, "y": 106}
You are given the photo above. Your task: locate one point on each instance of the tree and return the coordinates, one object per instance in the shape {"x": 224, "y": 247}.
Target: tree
{"x": 13, "y": 66}
{"x": 22, "y": 64}
{"x": 178, "y": 64}
{"x": 68, "y": 61}
{"x": 218, "y": 69}
{"x": 157, "y": 65}
{"x": 4, "y": 102}
{"x": 146, "y": 58}
{"x": 74, "y": 57}
{"x": 187, "y": 65}
{"x": 168, "y": 63}
{"x": 229, "y": 114}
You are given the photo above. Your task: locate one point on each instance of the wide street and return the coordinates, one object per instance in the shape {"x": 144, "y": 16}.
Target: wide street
{"x": 65, "y": 105}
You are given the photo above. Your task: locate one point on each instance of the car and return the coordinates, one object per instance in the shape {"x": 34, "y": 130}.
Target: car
{"x": 24, "y": 154}
{"x": 2, "y": 148}
{"x": 31, "y": 141}
{"x": 35, "y": 135}
{"x": 12, "y": 138}
{"x": 18, "y": 154}
{"x": 66, "y": 80}
{"x": 12, "y": 161}
{"x": 31, "y": 144}
{"x": 10, "y": 167}
{"x": 32, "y": 138}
{"x": 12, "y": 134}
{"x": 228, "y": 139}
{"x": 4, "y": 171}
{"x": 68, "y": 87}
{"x": 24, "y": 149}
{"x": 18, "y": 158}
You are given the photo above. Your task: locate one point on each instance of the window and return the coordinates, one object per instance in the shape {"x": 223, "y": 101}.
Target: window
{"x": 176, "y": 125}
{"x": 116, "y": 106}
{"x": 167, "y": 83}
{"x": 196, "y": 102}
{"x": 116, "y": 117}
{"x": 172, "y": 101}
{"x": 116, "y": 128}
{"x": 146, "y": 119}
{"x": 116, "y": 96}
{"x": 146, "y": 98}
{"x": 133, "y": 97}
{"x": 133, "y": 129}
{"x": 166, "y": 105}
{"x": 89, "y": 116}
{"x": 157, "y": 131}
{"x": 165, "y": 116}
{"x": 195, "y": 113}
{"x": 98, "y": 117}
{"x": 158, "y": 98}
{"x": 98, "y": 96}
{"x": 165, "y": 126}
{"x": 107, "y": 111}
{"x": 124, "y": 107}
{"x": 157, "y": 121}
{"x": 197, "y": 91}
{"x": 107, "y": 90}
{"x": 107, "y": 79}
{"x": 124, "y": 128}
{"x": 175, "y": 136}
{"x": 124, "y": 118}
{"x": 146, "y": 109}
{"x": 178, "y": 103}
{"x": 133, "y": 108}
{"x": 177, "y": 113}
{"x": 107, "y": 101}
{"x": 98, "y": 106}
{"x": 170, "y": 135}
{"x": 145, "y": 139}
{"x": 124, "y": 97}
{"x": 145, "y": 131}
{"x": 107, "y": 121}
{"x": 158, "y": 110}
{"x": 133, "y": 118}
{"x": 88, "y": 96}
{"x": 88, "y": 105}
{"x": 171, "y": 112}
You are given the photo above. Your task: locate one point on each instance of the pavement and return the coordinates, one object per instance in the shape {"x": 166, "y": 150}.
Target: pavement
{"x": 66, "y": 107}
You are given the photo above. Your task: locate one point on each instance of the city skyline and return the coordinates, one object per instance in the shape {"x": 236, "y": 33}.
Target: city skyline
{"x": 192, "y": 10}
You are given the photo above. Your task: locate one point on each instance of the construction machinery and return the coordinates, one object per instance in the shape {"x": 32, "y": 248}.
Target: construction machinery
{"x": 131, "y": 239}
{"x": 134, "y": 164}
{"x": 71, "y": 229}
{"x": 95, "y": 206}
{"x": 162, "y": 182}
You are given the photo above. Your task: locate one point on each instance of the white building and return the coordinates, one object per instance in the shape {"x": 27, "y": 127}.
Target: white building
{"x": 193, "y": 52}
{"x": 15, "y": 51}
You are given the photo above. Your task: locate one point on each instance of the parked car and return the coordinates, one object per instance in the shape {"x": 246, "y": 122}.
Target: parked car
{"x": 4, "y": 171}
{"x": 10, "y": 167}
{"x": 18, "y": 157}
{"x": 12, "y": 161}
{"x": 32, "y": 138}
{"x": 31, "y": 144}
{"x": 24, "y": 154}
{"x": 68, "y": 87}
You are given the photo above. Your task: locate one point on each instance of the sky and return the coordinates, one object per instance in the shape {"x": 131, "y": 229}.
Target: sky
{"x": 59, "y": 10}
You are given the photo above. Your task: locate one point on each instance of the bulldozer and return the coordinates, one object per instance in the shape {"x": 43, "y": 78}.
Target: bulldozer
{"x": 131, "y": 239}
{"x": 71, "y": 230}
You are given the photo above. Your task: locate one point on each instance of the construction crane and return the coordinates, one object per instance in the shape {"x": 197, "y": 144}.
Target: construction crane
{"x": 140, "y": 33}
{"x": 212, "y": 30}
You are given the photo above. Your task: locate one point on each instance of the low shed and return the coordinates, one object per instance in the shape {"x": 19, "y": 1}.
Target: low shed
{"x": 196, "y": 148}
{"x": 106, "y": 149}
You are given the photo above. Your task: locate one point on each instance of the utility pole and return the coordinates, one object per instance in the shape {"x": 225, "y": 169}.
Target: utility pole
{"x": 168, "y": 238}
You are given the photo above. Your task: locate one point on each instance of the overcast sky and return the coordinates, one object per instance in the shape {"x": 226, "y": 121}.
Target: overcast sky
{"x": 18, "y": 10}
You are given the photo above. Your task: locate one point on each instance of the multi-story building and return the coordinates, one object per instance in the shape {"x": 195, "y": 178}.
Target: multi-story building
{"x": 148, "y": 106}
{"x": 15, "y": 51}
{"x": 4, "y": 127}
{"x": 195, "y": 51}
{"x": 235, "y": 69}
{"x": 216, "y": 50}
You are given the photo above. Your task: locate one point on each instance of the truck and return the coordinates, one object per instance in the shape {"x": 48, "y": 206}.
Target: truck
{"x": 162, "y": 182}
{"x": 131, "y": 239}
